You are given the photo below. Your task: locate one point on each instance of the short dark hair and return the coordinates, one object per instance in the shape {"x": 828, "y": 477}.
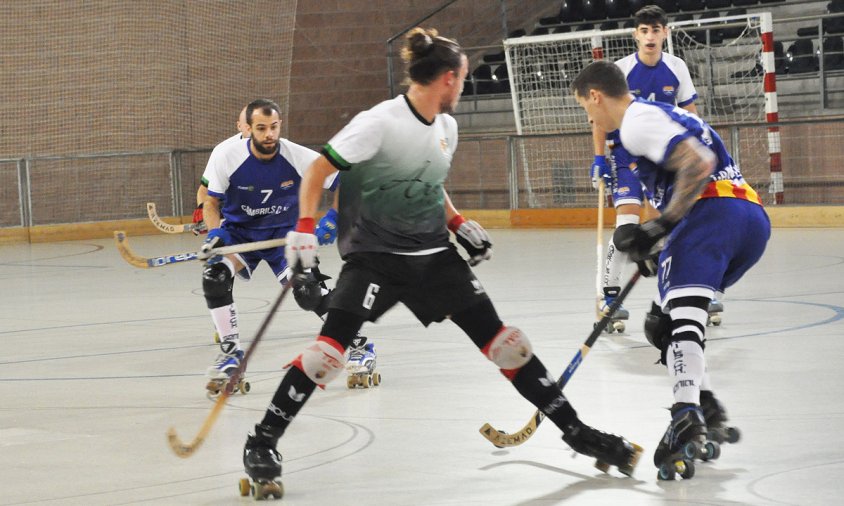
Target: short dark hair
{"x": 603, "y": 76}
{"x": 650, "y": 15}
{"x": 427, "y": 55}
{"x": 265, "y": 105}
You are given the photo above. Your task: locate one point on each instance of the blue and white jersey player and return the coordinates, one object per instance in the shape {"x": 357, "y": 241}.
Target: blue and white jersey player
{"x": 654, "y": 76}
{"x": 253, "y": 184}
{"x": 711, "y": 231}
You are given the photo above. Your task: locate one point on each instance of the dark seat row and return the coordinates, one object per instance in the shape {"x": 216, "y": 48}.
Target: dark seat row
{"x": 573, "y": 11}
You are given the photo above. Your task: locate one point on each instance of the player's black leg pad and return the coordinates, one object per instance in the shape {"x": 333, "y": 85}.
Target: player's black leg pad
{"x": 481, "y": 324}
{"x": 342, "y": 326}
{"x": 535, "y": 385}
{"x": 291, "y": 395}
{"x": 217, "y": 283}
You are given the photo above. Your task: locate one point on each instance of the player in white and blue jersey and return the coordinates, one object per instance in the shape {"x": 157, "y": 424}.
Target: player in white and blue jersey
{"x": 253, "y": 184}
{"x": 714, "y": 229}
{"x": 202, "y": 191}
{"x": 656, "y": 76}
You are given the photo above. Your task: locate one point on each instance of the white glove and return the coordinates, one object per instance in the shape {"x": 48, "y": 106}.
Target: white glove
{"x": 300, "y": 250}
{"x": 472, "y": 236}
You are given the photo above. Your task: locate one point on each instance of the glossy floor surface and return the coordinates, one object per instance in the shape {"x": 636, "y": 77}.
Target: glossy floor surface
{"x": 99, "y": 358}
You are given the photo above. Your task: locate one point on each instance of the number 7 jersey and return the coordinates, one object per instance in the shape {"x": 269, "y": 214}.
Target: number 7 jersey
{"x": 260, "y": 194}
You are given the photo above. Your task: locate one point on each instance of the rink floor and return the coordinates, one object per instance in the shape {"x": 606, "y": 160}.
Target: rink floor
{"x": 100, "y": 358}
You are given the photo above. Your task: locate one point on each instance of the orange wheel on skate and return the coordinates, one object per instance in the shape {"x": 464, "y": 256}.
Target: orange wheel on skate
{"x": 244, "y": 487}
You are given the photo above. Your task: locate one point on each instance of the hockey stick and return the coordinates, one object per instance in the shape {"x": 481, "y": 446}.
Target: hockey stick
{"x": 600, "y": 250}
{"x": 186, "y": 450}
{"x": 502, "y": 439}
{"x": 148, "y": 262}
{"x": 167, "y": 228}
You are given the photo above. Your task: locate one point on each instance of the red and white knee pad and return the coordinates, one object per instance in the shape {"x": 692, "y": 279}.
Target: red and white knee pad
{"x": 510, "y": 349}
{"x": 322, "y": 361}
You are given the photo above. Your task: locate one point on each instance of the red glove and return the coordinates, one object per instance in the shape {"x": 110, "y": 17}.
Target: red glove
{"x": 197, "y": 214}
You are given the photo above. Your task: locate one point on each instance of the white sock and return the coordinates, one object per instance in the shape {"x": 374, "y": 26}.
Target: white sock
{"x": 225, "y": 321}
{"x": 617, "y": 260}
{"x": 686, "y": 368}
{"x": 706, "y": 383}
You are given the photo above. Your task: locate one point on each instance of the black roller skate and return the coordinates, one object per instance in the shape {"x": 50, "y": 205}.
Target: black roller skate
{"x": 714, "y": 311}
{"x": 608, "y": 449}
{"x": 684, "y": 442}
{"x": 263, "y": 464}
{"x": 620, "y": 315}
{"x": 716, "y": 417}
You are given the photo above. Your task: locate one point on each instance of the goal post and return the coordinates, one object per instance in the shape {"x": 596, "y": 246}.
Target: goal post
{"x": 731, "y": 63}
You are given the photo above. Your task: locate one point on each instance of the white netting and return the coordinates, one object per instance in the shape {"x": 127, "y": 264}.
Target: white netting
{"x": 723, "y": 57}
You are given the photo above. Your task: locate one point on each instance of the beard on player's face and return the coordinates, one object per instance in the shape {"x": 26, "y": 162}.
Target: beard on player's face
{"x": 265, "y": 148}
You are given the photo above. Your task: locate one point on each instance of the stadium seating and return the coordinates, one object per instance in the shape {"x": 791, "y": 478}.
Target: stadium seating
{"x": 718, "y": 4}
{"x": 801, "y": 57}
{"x": 571, "y": 11}
{"x": 691, "y": 5}
{"x": 593, "y": 10}
{"x": 502, "y": 79}
{"x": 716, "y": 35}
{"x": 732, "y": 33}
{"x": 780, "y": 62}
{"x": 833, "y": 53}
{"x": 617, "y": 8}
{"x": 668, "y": 6}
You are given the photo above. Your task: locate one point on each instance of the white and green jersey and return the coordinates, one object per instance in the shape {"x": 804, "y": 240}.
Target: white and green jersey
{"x": 393, "y": 166}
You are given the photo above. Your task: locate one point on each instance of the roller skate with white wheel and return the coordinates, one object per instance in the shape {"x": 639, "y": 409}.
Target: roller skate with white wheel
{"x": 619, "y": 317}
{"x": 716, "y": 417}
{"x": 360, "y": 365}
{"x": 714, "y": 313}
{"x": 263, "y": 464}
{"x": 607, "y": 449}
{"x": 684, "y": 442}
{"x": 222, "y": 370}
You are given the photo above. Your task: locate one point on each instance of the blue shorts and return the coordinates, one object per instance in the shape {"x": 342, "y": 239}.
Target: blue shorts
{"x": 273, "y": 256}
{"x": 712, "y": 247}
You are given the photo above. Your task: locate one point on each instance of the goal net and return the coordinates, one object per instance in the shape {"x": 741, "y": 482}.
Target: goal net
{"x": 724, "y": 58}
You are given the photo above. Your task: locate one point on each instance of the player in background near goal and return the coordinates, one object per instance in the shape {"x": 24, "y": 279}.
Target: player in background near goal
{"x": 714, "y": 229}
{"x": 202, "y": 191}
{"x": 253, "y": 184}
{"x": 652, "y": 75}
{"x": 395, "y": 217}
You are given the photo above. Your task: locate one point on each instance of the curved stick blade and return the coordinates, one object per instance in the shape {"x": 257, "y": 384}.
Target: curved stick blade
{"x": 179, "y": 448}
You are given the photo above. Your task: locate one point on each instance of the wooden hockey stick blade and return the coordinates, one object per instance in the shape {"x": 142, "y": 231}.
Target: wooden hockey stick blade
{"x": 502, "y": 439}
{"x": 149, "y": 262}
{"x": 165, "y": 227}
{"x": 143, "y": 262}
{"x": 185, "y": 450}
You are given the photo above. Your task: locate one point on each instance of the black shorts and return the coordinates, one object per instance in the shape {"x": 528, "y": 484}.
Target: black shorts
{"x": 431, "y": 286}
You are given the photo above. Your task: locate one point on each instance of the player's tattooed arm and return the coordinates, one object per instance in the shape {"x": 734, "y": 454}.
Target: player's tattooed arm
{"x": 693, "y": 162}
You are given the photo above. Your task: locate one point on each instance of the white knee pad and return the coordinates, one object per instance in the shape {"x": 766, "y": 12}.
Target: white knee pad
{"x": 509, "y": 349}
{"x": 322, "y": 362}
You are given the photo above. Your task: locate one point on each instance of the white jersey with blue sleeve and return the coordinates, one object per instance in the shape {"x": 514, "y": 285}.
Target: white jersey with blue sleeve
{"x": 215, "y": 153}
{"x": 652, "y": 130}
{"x": 668, "y": 81}
{"x": 260, "y": 194}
